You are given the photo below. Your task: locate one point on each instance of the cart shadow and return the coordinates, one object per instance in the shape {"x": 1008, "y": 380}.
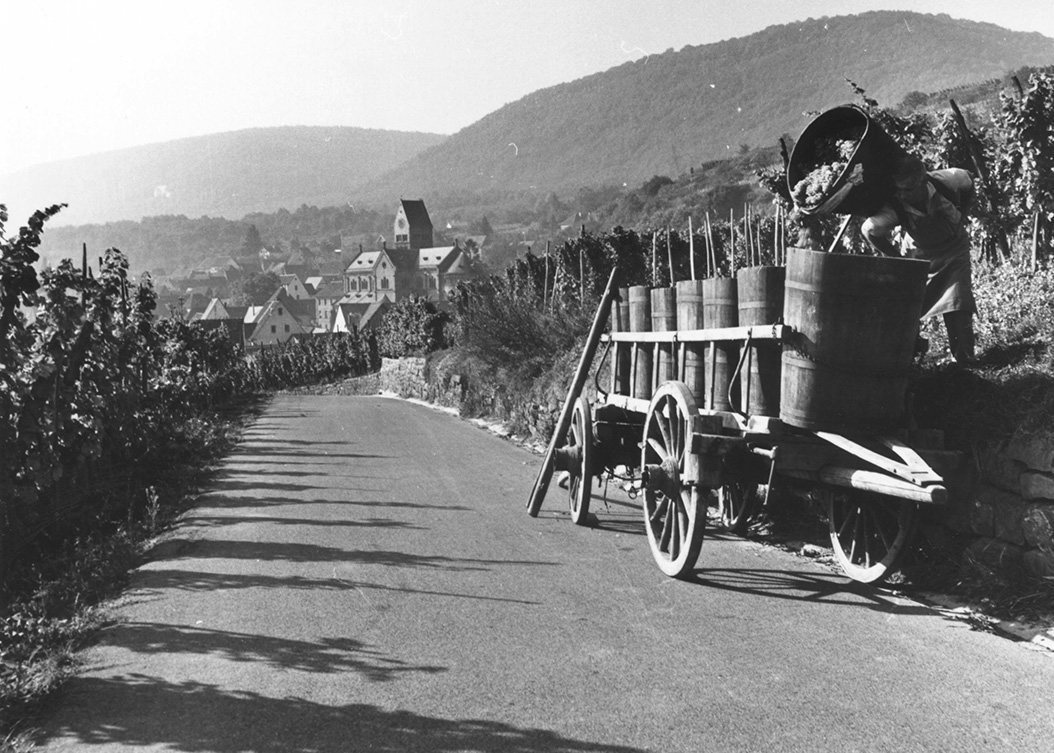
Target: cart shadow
{"x": 803, "y": 586}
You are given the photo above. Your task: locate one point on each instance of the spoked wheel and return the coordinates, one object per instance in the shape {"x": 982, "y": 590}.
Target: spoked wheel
{"x": 736, "y": 502}
{"x": 672, "y": 515}
{"x": 870, "y": 534}
{"x": 579, "y": 449}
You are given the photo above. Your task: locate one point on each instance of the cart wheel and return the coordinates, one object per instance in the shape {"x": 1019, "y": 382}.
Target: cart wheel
{"x": 672, "y": 514}
{"x": 580, "y": 441}
{"x": 870, "y": 534}
{"x": 736, "y": 502}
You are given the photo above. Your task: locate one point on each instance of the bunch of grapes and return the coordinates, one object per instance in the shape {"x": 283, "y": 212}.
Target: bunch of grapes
{"x": 831, "y": 155}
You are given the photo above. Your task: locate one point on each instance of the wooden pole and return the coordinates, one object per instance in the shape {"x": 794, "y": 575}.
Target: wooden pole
{"x": 669, "y": 254}
{"x": 731, "y": 243}
{"x": 982, "y": 174}
{"x": 746, "y": 235}
{"x": 691, "y": 248}
{"x": 581, "y": 274}
{"x": 1035, "y": 242}
{"x": 654, "y": 263}
{"x": 711, "y": 259}
{"x": 841, "y": 232}
{"x": 776, "y": 237}
{"x": 545, "y": 288}
{"x": 545, "y": 474}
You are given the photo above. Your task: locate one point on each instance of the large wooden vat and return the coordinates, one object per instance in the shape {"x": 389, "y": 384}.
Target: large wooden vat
{"x": 855, "y": 321}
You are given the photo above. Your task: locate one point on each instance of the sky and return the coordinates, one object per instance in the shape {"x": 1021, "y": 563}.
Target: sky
{"x": 81, "y": 77}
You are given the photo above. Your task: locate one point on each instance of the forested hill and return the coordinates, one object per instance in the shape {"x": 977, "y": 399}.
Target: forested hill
{"x": 220, "y": 175}
{"x": 662, "y": 114}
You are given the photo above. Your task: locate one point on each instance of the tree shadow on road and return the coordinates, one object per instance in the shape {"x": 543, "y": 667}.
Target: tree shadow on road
{"x": 325, "y": 655}
{"x": 138, "y": 710}
{"x": 219, "y": 501}
{"x": 278, "y": 551}
{"x": 151, "y": 582}
{"x": 231, "y": 520}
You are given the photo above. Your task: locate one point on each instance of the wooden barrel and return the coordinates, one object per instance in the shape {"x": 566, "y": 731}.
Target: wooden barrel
{"x": 760, "y": 291}
{"x": 720, "y": 310}
{"x": 855, "y": 321}
{"x": 690, "y": 316}
{"x": 622, "y": 358}
{"x": 664, "y": 319}
{"x": 640, "y": 321}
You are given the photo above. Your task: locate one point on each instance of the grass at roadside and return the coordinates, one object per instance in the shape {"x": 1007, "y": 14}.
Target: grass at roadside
{"x": 55, "y": 600}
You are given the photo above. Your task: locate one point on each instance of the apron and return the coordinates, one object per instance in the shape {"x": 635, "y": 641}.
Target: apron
{"x": 939, "y": 236}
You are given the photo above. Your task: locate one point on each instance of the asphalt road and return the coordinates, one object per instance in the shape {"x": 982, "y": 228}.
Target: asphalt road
{"x": 364, "y": 577}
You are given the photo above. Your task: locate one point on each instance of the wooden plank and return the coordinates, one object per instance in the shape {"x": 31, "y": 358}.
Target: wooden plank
{"x": 920, "y": 475}
{"x": 716, "y": 334}
{"x": 872, "y": 481}
{"x": 632, "y": 404}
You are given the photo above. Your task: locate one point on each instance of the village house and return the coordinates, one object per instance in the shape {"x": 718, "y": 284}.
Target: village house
{"x": 273, "y": 322}
{"x": 438, "y": 272}
{"x": 326, "y": 296}
{"x": 295, "y": 287}
{"x": 348, "y": 317}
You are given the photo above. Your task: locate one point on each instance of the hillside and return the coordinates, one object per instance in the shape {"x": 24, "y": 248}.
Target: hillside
{"x": 220, "y": 175}
{"x": 665, "y": 113}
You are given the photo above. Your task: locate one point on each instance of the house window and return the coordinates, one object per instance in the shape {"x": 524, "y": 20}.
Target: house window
{"x": 287, "y": 328}
{"x": 274, "y": 329}
{"x": 384, "y": 283}
{"x": 279, "y": 310}
{"x": 402, "y": 238}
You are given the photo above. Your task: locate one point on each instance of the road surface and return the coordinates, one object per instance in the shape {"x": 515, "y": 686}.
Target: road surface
{"x": 363, "y": 576}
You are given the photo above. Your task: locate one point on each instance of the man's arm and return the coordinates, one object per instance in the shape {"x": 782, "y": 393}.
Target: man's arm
{"x": 877, "y": 231}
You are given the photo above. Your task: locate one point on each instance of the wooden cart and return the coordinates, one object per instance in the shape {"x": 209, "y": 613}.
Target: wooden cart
{"x": 681, "y": 454}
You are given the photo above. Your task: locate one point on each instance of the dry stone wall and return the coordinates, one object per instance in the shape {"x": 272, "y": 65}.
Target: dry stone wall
{"x": 1010, "y": 512}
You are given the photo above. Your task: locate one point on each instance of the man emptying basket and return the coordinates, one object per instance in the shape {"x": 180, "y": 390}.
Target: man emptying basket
{"x": 931, "y": 208}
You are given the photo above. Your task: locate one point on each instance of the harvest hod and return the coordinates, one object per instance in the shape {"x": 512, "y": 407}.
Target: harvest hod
{"x": 724, "y": 387}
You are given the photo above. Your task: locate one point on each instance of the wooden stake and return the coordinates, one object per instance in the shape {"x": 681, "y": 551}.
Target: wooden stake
{"x": 581, "y": 273}
{"x": 776, "y": 237}
{"x": 746, "y": 235}
{"x": 669, "y": 254}
{"x": 654, "y": 263}
{"x": 711, "y": 259}
{"x": 545, "y": 288}
{"x": 731, "y": 243}
{"x": 691, "y": 248}
{"x": 1035, "y": 242}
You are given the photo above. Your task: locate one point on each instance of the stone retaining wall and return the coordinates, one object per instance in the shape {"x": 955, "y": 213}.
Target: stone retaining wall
{"x": 1007, "y": 508}
{"x": 1011, "y": 510}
